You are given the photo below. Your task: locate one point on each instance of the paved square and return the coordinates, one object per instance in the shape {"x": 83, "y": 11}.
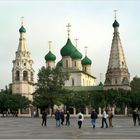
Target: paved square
{"x": 30, "y": 128}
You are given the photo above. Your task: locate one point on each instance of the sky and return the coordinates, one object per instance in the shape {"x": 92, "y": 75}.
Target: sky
{"x": 91, "y": 22}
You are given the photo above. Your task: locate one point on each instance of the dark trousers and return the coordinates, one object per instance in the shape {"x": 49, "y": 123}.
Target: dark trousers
{"x": 44, "y": 120}
{"x": 79, "y": 124}
{"x": 67, "y": 122}
{"x": 104, "y": 121}
{"x": 134, "y": 120}
{"x": 62, "y": 121}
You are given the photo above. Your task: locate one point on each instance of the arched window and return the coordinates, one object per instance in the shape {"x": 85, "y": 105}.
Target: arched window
{"x": 72, "y": 82}
{"x": 31, "y": 76}
{"x": 25, "y": 75}
{"x": 17, "y": 76}
{"x": 75, "y": 63}
{"x": 66, "y": 63}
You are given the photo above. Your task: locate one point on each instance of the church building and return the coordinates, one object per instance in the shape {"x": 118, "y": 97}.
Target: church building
{"x": 23, "y": 72}
{"x": 78, "y": 68}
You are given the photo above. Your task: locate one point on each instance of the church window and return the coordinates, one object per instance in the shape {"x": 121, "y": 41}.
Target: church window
{"x": 115, "y": 81}
{"x": 66, "y": 63}
{"x": 17, "y": 63}
{"x": 85, "y": 69}
{"x": 17, "y": 76}
{"x": 72, "y": 82}
{"x": 31, "y": 76}
{"x": 25, "y": 75}
{"x": 24, "y": 64}
{"x": 75, "y": 63}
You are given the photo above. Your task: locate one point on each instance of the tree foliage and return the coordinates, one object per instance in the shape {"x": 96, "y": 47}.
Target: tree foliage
{"x": 49, "y": 85}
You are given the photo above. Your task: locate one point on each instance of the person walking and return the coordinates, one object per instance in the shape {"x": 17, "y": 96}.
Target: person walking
{"x": 135, "y": 115}
{"x": 44, "y": 117}
{"x": 62, "y": 116}
{"x": 68, "y": 118}
{"x": 80, "y": 118}
{"x": 57, "y": 118}
{"x": 104, "y": 116}
{"x": 94, "y": 117}
{"x": 110, "y": 116}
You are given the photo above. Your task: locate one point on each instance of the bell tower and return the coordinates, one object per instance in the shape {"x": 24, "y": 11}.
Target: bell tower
{"x": 117, "y": 75}
{"x": 23, "y": 72}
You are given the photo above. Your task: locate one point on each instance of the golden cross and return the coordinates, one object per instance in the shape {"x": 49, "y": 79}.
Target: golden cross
{"x": 76, "y": 40}
{"x": 86, "y": 50}
{"x": 115, "y": 12}
{"x": 49, "y": 45}
{"x": 68, "y": 26}
{"x": 22, "y": 20}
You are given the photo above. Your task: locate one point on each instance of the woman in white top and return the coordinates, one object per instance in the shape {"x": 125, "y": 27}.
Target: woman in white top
{"x": 80, "y": 118}
{"x": 104, "y": 116}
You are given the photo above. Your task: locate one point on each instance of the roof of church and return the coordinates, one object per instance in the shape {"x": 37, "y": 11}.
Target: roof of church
{"x": 50, "y": 56}
{"x": 86, "y": 61}
{"x": 115, "y": 24}
{"x": 76, "y": 55}
{"x": 68, "y": 49}
{"x": 84, "y": 88}
{"x": 73, "y": 70}
{"x": 22, "y": 29}
{"x": 59, "y": 63}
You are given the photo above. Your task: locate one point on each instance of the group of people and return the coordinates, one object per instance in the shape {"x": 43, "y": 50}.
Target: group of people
{"x": 136, "y": 116}
{"x": 60, "y": 118}
{"x": 94, "y": 116}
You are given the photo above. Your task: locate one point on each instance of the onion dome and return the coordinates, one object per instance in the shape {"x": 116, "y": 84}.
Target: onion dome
{"x": 50, "y": 56}
{"x": 86, "y": 61}
{"x": 115, "y": 24}
{"x": 76, "y": 55}
{"x": 68, "y": 49}
{"x": 22, "y": 29}
{"x": 59, "y": 64}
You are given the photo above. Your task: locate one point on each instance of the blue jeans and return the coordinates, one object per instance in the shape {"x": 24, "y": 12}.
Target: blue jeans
{"x": 57, "y": 123}
{"x": 93, "y": 121}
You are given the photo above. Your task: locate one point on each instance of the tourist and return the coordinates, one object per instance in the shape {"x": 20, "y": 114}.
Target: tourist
{"x": 68, "y": 118}
{"x": 57, "y": 118}
{"x": 62, "y": 117}
{"x": 104, "y": 116}
{"x": 110, "y": 116}
{"x": 94, "y": 117}
{"x": 44, "y": 117}
{"x": 80, "y": 118}
{"x": 135, "y": 115}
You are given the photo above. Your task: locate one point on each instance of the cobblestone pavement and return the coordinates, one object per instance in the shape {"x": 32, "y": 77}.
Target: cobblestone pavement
{"x": 30, "y": 128}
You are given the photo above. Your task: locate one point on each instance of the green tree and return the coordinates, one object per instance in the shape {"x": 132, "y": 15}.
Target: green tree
{"x": 135, "y": 84}
{"x": 49, "y": 85}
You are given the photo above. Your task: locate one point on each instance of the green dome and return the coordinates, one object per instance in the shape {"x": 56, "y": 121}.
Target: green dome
{"x": 86, "y": 61}
{"x": 68, "y": 49}
{"x": 59, "y": 63}
{"x": 76, "y": 55}
{"x": 50, "y": 56}
{"x": 115, "y": 24}
{"x": 22, "y": 29}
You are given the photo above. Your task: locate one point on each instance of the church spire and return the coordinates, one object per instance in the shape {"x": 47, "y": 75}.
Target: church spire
{"x": 117, "y": 75}
{"x": 22, "y": 40}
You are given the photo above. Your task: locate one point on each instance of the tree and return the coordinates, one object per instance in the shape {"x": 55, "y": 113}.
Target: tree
{"x": 135, "y": 84}
{"x": 49, "y": 85}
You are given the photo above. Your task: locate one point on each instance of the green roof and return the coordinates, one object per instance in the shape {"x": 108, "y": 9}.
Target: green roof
{"x": 50, "y": 56}
{"x": 22, "y": 29}
{"x": 115, "y": 24}
{"x": 68, "y": 49}
{"x": 86, "y": 61}
{"x": 84, "y": 88}
{"x": 76, "y": 55}
{"x": 59, "y": 63}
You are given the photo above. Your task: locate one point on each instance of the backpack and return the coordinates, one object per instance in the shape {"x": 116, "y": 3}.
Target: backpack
{"x": 80, "y": 116}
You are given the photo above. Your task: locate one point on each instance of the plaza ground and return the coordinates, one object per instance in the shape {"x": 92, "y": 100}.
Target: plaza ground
{"x": 30, "y": 128}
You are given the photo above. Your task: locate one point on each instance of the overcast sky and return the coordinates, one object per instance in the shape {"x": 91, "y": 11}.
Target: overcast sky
{"x": 91, "y": 23}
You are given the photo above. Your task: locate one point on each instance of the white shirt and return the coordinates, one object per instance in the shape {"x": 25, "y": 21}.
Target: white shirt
{"x": 104, "y": 115}
{"x": 79, "y": 115}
